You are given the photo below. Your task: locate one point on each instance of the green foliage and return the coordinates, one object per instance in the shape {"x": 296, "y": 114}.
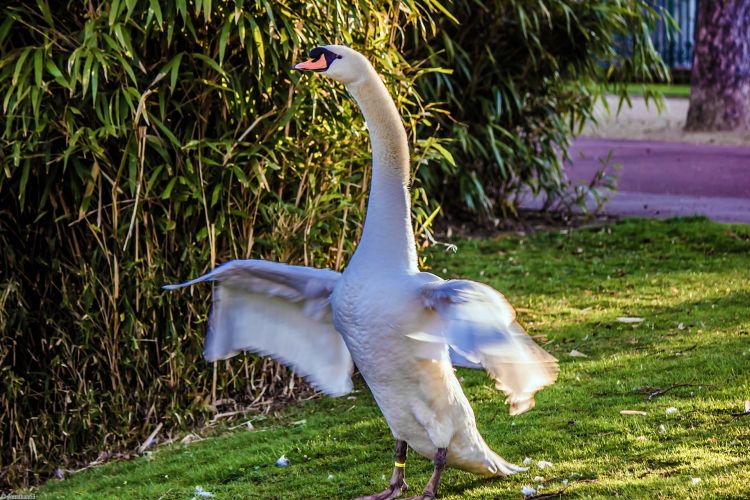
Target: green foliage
{"x": 146, "y": 141}
{"x": 652, "y": 89}
{"x": 143, "y": 143}
{"x": 687, "y": 278}
{"x": 525, "y": 77}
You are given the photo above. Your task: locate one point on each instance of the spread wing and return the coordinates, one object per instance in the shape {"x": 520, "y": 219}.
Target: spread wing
{"x": 281, "y": 311}
{"x": 480, "y": 327}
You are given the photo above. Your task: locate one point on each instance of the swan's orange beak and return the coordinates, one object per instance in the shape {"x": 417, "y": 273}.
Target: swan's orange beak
{"x": 318, "y": 64}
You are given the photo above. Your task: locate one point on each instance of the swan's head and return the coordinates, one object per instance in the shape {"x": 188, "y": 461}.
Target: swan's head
{"x": 338, "y": 62}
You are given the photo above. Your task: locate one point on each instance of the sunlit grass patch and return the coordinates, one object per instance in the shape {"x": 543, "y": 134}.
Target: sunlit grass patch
{"x": 689, "y": 281}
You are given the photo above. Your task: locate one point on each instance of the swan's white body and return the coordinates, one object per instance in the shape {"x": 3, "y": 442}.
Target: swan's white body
{"x": 420, "y": 397}
{"x": 400, "y": 326}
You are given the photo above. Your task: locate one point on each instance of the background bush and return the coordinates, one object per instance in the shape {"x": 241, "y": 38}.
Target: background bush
{"x": 143, "y": 143}
{"x": 525, "y": 78}
{"x": 146, "y": 141}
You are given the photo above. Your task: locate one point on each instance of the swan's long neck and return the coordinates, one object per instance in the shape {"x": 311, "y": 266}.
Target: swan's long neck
{"x": 387, "y": 236}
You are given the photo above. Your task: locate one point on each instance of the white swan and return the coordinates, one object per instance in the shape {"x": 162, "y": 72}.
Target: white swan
{"x": 401, "y": 326}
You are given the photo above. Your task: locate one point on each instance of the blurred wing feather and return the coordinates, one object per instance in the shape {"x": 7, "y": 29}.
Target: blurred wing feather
{"x": 280, "y": 311}
{"x": 480, "y": 328}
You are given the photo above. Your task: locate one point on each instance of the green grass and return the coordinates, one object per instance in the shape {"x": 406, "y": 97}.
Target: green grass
{"x": 667, "y": 90}
{"x": 689, "y": 279}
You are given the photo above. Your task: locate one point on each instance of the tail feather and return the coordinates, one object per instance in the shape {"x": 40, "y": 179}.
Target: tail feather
{"x": 498, "y": 466}
{"x": 483, "y": 461}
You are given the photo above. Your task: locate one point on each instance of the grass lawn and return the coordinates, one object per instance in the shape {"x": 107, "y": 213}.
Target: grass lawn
{"x": 667, "y": 90}
{"x": 688, "y": 279}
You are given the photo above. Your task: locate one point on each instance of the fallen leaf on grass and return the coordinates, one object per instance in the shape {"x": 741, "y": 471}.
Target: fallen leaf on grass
{"x": 543, "y": 464}
{"x": 527, "y": 461}
{"x": 200, "y": 492}
{"x": 282, "y": 461}
{"x": 630, "y": 319}
{"x": 527, "y": 491}
{"x": 632, "y": 412}
{"x": 671, "y": 410}
{"x": 191, "y": 438}
{"x": 577, "y": 354}
{"x": 695, "y": 481}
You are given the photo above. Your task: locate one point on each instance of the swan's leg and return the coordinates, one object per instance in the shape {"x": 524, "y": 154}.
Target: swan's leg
{"x": 430, "y": 491}
{"x": 397, "y": 484}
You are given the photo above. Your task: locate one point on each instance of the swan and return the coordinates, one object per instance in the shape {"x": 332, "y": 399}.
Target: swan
{"x": 404, "y": 329}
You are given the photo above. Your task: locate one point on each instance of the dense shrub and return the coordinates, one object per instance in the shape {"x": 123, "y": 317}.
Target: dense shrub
{"x": 525, "y": 76}
{"x": 144, "y": 142}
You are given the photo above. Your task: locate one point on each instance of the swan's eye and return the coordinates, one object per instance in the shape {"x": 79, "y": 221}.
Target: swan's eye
{"x": 320, "y": 60}
{"x": 318, "y": 52}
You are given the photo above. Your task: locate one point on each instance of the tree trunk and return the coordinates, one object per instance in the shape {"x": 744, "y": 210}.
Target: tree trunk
{"x": 720, "y": 81}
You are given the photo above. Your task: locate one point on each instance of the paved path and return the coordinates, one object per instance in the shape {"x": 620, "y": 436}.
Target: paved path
{"x": 667, "y": 167}
{"x": 666, "y": 171}
{"x": 667, "y": 179}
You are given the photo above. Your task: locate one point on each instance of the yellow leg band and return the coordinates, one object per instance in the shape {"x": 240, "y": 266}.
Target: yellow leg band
{"x": 397, "y": 464}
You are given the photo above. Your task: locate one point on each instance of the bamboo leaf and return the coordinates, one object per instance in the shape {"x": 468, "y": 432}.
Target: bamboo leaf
{"x": 156, "y": 9}
{"x": 46, "y": 13}
{"x": 444, "y": 153}
{"x": 6, "y": 27}
{"x": 258, "y": 39}
{"x": 182, "y": 8}
{"x": 168, "y": 190}
{"x": 114, "y": 11}
{"x": 172, "y": 138}
{"x": 215, "y": 195}
{"x": 206, "y": 9}
{"x": 94, "y": 81}
{"x": 20, "y": 64}
{"x": 24, "y": 181}
{"x": 86, "y": 76}
{"x": 174, "y": 70}
{"x": 223, "y": 40}
{"x": 439, "y": 6}
{"x": 210, "y": 62}
{"x": 38, "y": 66}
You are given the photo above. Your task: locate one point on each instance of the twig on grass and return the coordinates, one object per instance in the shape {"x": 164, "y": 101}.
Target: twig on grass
{"x": 248, "y": 424}
{"x": 686, "y": 350}
{"x": 554, "y": 494}
{"x": 660, "y": 392}
{"x": 150, "y": 439}
{"x": 231, "y": 414}
{"x": 668, "y": 352}
{"x": 743, "y": 413}
{"x": 655, "y": 392}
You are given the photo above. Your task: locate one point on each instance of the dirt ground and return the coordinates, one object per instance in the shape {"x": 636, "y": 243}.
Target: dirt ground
{"x": 644, "y": 122}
